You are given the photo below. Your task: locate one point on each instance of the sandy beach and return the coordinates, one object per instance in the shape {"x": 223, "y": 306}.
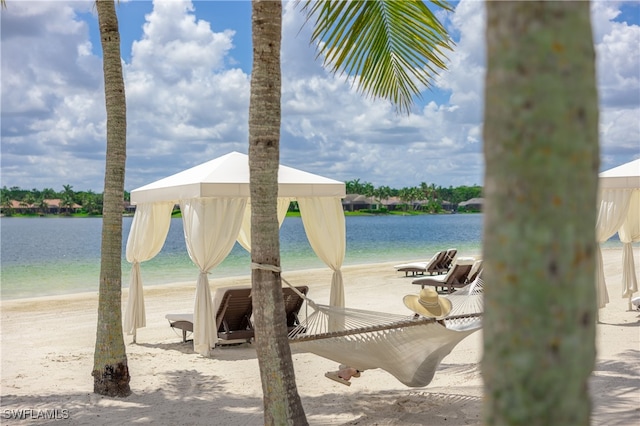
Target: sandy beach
{"x": 48, "y": 344}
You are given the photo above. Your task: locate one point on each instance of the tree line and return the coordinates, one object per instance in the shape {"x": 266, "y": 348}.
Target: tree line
{"x": 428, "y": 192}
{"x": 91, "y": 202}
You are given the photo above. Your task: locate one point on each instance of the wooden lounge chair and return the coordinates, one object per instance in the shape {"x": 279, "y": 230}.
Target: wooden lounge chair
{"x": 234, "y": 308}
{"x": 433, "y": 266}
{"x": 447, "y": 260}
{"x": 455, "y": 278}
{"x": 475, "y": 271}
{"x": 233, "y": 316}
{"x": 292, "y": 304}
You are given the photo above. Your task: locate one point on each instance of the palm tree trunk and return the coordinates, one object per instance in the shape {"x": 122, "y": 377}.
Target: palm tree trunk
{"x": 541, "y": 152}
{"x": 282, "y": 403}
{"x": 110, "y": 369}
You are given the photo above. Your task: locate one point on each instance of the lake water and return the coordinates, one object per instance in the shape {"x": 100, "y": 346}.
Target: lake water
{"x": 48, "y": 256}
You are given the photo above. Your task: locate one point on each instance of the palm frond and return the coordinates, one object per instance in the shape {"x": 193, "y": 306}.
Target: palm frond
{"x": 394, "y": 46}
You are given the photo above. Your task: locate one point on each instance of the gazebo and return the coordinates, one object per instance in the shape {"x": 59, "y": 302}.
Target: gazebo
{"x": 216, "y": 212}
{"x": 619, "y": 212}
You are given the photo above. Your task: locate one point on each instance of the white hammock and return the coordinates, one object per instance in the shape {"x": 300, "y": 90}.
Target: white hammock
{"x": 408, "y": 348}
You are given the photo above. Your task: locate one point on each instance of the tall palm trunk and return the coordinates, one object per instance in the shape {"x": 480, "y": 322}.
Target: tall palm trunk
{"x": 110, "y": 369}
{"x": 541, "y": 152}
{"x": 282, "y": 403}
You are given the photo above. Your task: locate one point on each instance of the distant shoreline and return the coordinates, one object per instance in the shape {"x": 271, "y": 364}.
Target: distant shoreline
{"x": 289, "y": 214}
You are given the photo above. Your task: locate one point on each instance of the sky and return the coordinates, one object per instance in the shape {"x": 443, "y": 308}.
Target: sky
{"x": 187, "y": 72}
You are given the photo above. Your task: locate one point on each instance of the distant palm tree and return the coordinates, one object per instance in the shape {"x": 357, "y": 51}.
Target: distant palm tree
{"x": 29, "y": 199}
{"x": 89, "y": 204}
{"x": 49, "y": 193}
{"x": 66, "y": 204}
{"x": 353, "y": 186}
{"x": 43, "y": 206}
{"x": 393, "y": 46}
{"x": 7, "y": 207}
{"x": 382, "y": 193}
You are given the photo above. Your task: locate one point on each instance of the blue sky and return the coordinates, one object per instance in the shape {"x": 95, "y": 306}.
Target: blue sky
{"x": 187, "y": 72}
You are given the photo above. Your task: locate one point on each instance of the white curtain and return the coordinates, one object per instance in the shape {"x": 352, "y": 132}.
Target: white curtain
{"x": 146, "y": 237}
{"x": 629, "y": 233}
{"x": 614, "y": 205}
{"x": 244, "y": 237}
{"x": 211, "y": 226}
{"x": 323, "y": 220}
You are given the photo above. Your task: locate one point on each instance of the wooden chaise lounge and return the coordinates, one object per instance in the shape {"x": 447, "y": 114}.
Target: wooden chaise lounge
{"x": 433, "y": 267}
{"x": 455, "y": 278}
{"x": 234, "y": 308}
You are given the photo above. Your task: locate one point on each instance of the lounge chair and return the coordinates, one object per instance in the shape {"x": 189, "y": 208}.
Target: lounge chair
{"x": 433, "y": 266}
{"x": 455, "y": 278}
{"x": 233, "y": 314}
{"x": 475, "y": 271}
{"x": 292, "y": 304}
{"x": 447, "y": 260}
{"x": 234, "y": 308}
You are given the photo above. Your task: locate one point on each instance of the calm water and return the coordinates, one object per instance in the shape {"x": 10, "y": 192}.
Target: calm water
{"x": 46, "y": 256}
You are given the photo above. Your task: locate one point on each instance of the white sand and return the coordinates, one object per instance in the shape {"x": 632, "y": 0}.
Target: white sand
{"x": 48, "y": 343}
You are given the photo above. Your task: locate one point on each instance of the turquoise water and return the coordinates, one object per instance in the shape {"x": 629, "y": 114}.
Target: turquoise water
{"x": 48, "y": 256}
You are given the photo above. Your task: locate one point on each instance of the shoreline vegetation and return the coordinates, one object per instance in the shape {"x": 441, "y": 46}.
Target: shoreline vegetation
{"x": 360, "y": 197}
{"x": 177, "y": 214}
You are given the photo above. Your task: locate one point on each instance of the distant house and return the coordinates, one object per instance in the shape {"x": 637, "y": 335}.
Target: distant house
{"x": 128, "y": 207}
{"x": 21, "y": 207}
{"x": 53, "y": 207}
{"x": 474, "y": 204}
{"x": 355, "y": 202}
{"x": 447, "y": 205}
{"x": 56, "y": 207}
{"x": 392, "y": 203}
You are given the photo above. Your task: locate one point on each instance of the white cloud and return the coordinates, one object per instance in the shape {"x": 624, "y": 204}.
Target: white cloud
{"x": 187, "y": 102}
{"x": 184, "y": 106}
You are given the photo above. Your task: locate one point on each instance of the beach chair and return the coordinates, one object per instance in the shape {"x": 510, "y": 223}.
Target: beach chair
{"x": 475, "y": 271}
{"x": 292, "y": 305}
{"x": 447, "y": 260}
{"x": 233, "y": 306}
{"x": 455, "y": 278}
{"x": 233, "y": 315}
{"x": 431, "y": 267}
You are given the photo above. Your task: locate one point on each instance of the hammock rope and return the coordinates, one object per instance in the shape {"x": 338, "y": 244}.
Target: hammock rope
{"x": 466, "y": 312}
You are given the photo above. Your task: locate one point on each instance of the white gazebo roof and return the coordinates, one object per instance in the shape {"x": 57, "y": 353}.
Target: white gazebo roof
{"x": 626, "y": 176}
{"x": 228, "y": 176}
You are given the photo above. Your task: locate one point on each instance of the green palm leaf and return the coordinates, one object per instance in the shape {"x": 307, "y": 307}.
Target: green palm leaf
{"x": 394, "y": 46}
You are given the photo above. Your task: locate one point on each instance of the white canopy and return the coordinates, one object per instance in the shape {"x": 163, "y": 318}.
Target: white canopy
{"x": 215, "y": 204}
{"x": 619, "y": 212}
